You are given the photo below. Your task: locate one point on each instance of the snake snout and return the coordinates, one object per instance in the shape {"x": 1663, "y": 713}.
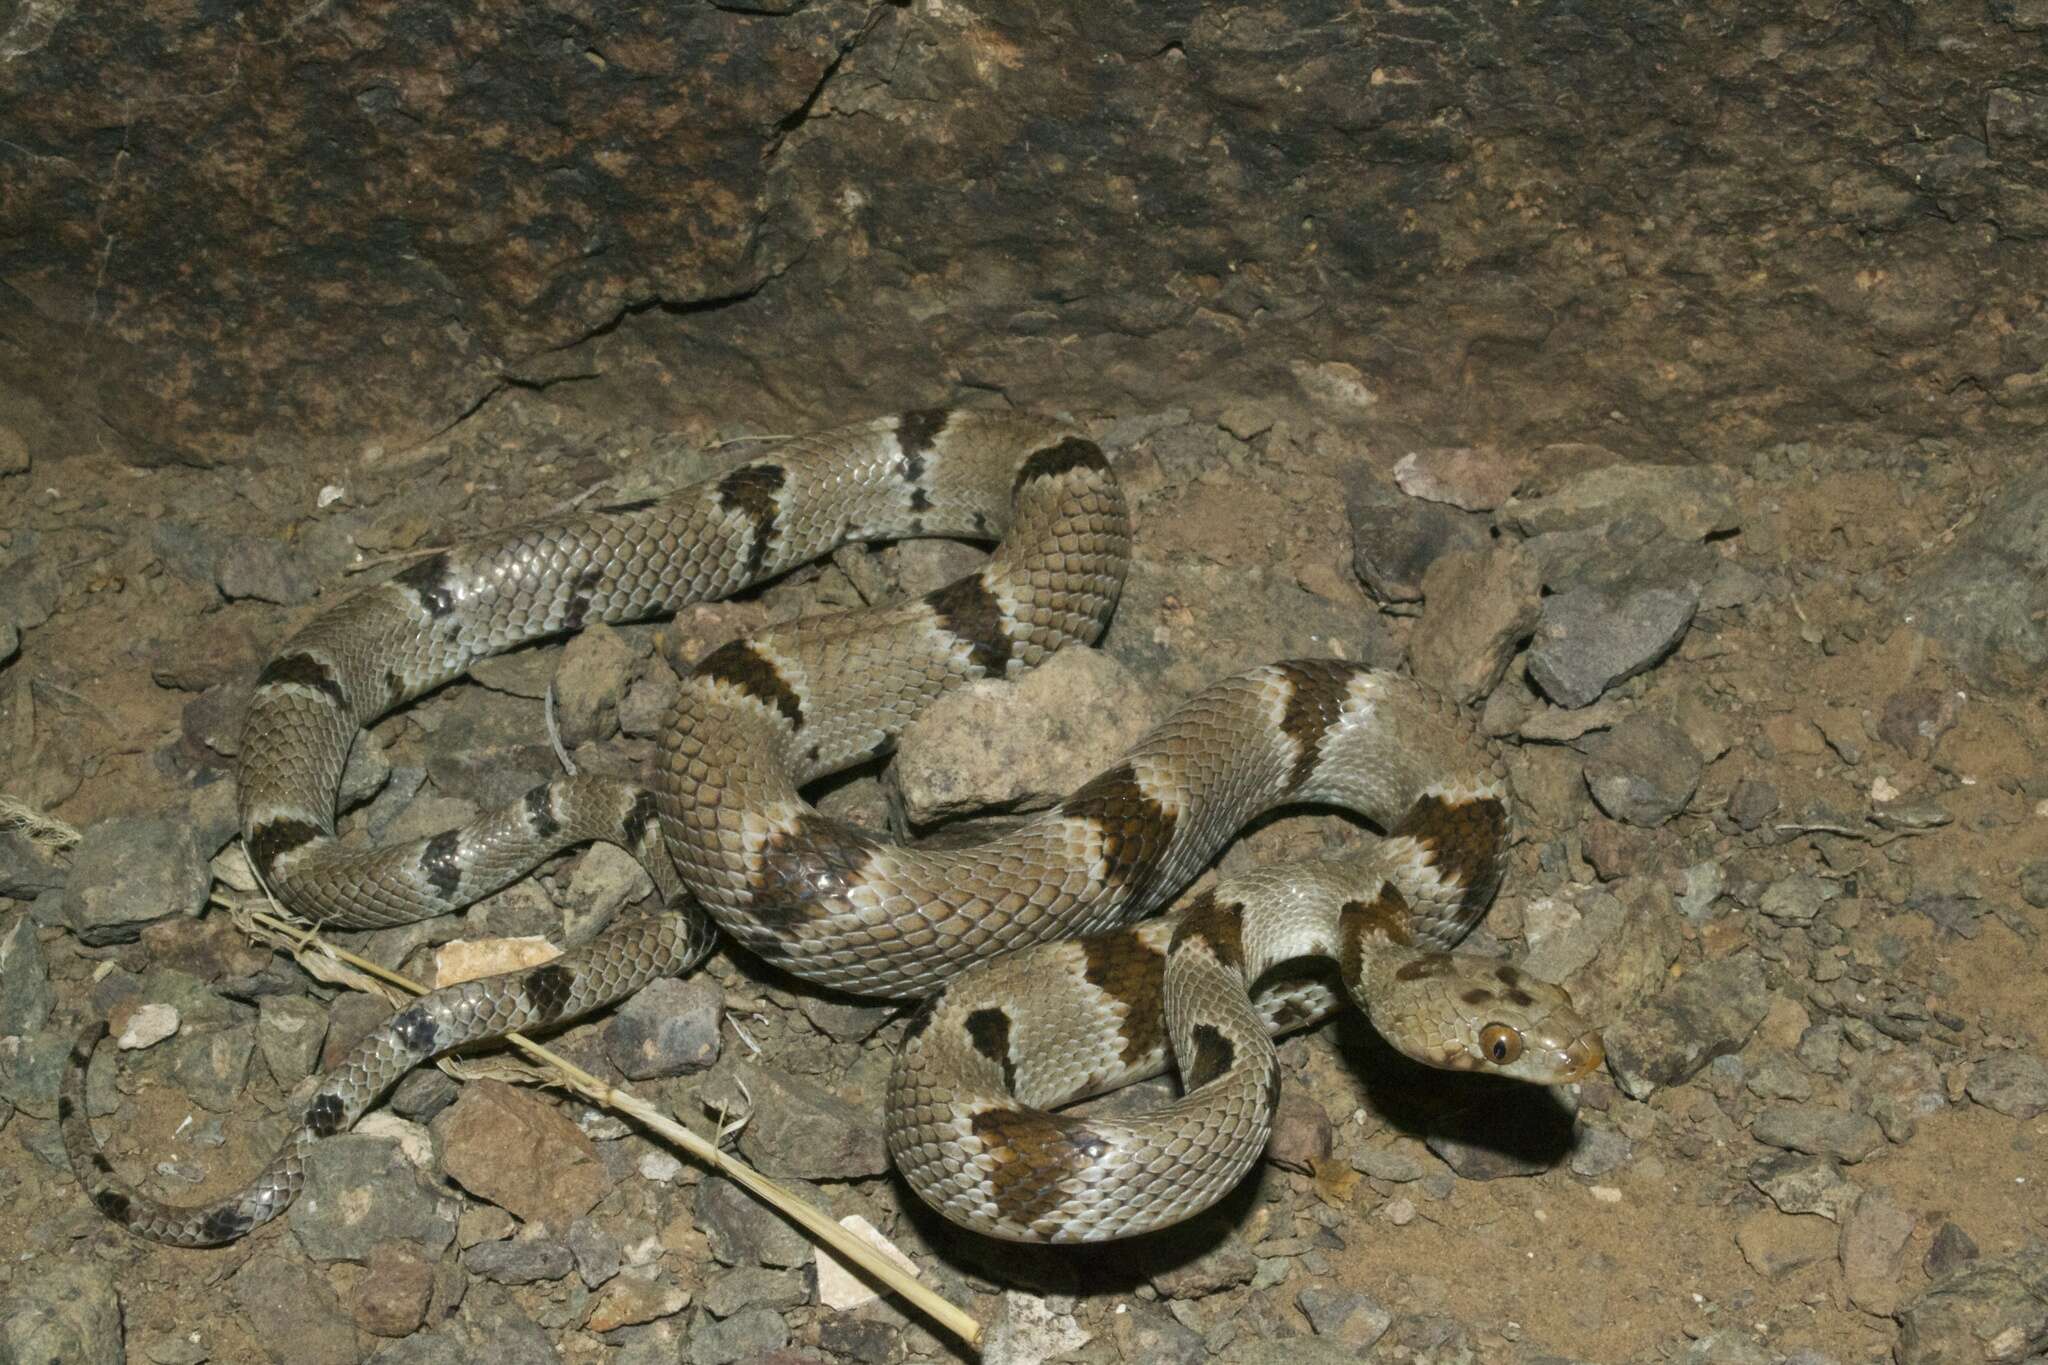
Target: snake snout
{"x": 1585, "y": 1055}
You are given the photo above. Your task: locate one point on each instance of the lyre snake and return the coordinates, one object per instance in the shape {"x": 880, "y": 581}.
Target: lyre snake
{"x": 721, "y": 825}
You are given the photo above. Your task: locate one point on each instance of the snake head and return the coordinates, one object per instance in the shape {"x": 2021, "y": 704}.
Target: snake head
{"x": 1467, "y": 1013}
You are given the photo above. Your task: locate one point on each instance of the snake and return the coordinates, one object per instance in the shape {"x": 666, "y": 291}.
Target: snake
{"x": 1043, "y": 972}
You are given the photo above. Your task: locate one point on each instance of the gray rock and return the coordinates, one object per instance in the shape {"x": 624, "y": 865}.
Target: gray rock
{"x": 425, "y": 1092}
{"x": 1223, "y": 1265}
{"x": 1949, "y": 1251}
{"x": 26, "y": 871}
{"x": 1986, "y": 596}
{"x": 31, "y": 1074}
{"x": 1149, "y": 1332}
{"x": 2033, "y": 883}
{"x": 1872, "y": 1247}
{"x": 129, "y": 872}
{"x": 1775, "y": 1244}
{"x": 1690, "y": 502}
{"x": 598, "y": 1254}
{"x": 805, "y": 1130}
{"x": 64, "y": 1312}
{"x": 521, "y": 1260}
{"x": 1709, "y": 1012}
{"x": 1396, "y": 538}
{"x": 1480, "y": 604}
{"x": 1625, "y": 556}
{"x": 10, "y": 641}
{"x": 1000, "y": 746}
{"x": 1751, "y": 802}
{"x": 267, "y": 570}
{"x": 285, "y": 1300}
{"x": 596, "y": 666}
{"x": 669, "y": 1028}
{"x": 1796, "y": 900}
{"x": 744, "y": 1231}
{"x": 1819, "y": 1130}
{"x": 1599, "y": 1151}
{"x": 361, "y": 1191}
{"x": 752, "y": 1332}
{"x": 1643, "y": 771}
{"x": 1344, "y": 1315}
{"x": 25, "y": 994}
{"x": 1728, "y": 1346}
{"x": 1475, "y": 1153}
{"x": 290, "y": 1030}
{"x": 2014, "y": 1083}
{"x": 209, "y": 1064}
{"x": 489, "y": 1327}
{"x": 845, "y": 1020}
{"x": 1586, "y": 641}
{"x": 1914, "y": 719}
{"x": 14, "y": 454}
{"x": 727, "y": 1292}
{"x": 1987, "y": 1313}
{"x": 1799, "y": 1183}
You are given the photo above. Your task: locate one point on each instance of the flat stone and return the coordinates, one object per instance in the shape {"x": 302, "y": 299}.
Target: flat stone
{"x": 1586, "y": 640}
{"x": 1031, "y": 1330}
{"x": 65, "y": 1312}
{"x": 744, "y": 1231}
{"x": 598, "y": 1254}
{"x": 2012, "y": 1083}
{"x": 1990, "y": 1312}
{"x": 999, "y": 746}
{"x": 669, "y": 1028}
{"x": 1819, "y": 1130}
{"x": 132, "y": 871}
{"x": 265, "y": 569}
{"x": 752, "y": 1332}
{"x": 804, "y": 1130}
{"x": 1872, "y": 1247}
{"x": 1949, "y": 1251}
{"x": 518, "y": 1151}
{"x": 638, "y": 1296}
{"x": 1796, "y": 900}
{"x": 1302, "y": 1134}
{"x": 1343, "y": 1315}
{"x": 361, "y": 1191}
{"x": 1474, "y": 480}
{"x": 596, "y": 666}
{"x": 1801, "y": 1183}
{"x": 289, "y": 1031}
{"x": 1395, "y": 538}
{"x": 1709, "y": 1012}
{"x": 392, "y": 1297}
{"x": 1643, "y": 771}
{"x": 1690, "y": 502}
{"x": 1479, "y": 606}
{"x": 285, "y": 1300}
{"x": 1776, "y": 1244}
{"x": 727, "y": 1292}
{"x": 521, "y": 1260}
{"x": 25, "y": 991}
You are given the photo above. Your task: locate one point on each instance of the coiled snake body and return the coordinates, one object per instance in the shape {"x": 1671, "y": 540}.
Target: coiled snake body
{"x": 721, "y": 825}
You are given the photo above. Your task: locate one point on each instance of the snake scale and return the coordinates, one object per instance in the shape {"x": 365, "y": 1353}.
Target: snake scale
{"x": 1051, "y": 982}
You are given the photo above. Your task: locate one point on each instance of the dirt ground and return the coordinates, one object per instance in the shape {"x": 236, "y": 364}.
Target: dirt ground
{"x": 1638, "y": 1262}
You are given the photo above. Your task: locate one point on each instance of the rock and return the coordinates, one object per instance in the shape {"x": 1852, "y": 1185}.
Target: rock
{"x": 1799, "y": 1183}
{"x": 147, "y": 1026}
{"x": 392, "y": 1297}
{"x": 1344, "y": 1315}
{"x": 290, "y": 1030}
{"x": 1480, "y": 604}
{"x": 1914, "y": 719}
{"x": 284, "y": 1300}
{"x": 606, "y": 878}
{"x": 1031, "y": 1330}
{"x": 638, "y": 1296}
{"x": 1986, "y": 596}
{"x": 26, "y": 871}
{"x": 1468, "y": 479}
{"x": 14, "y": 456}
{"x": 1226, "y": 1263}
{"x": 996, "y": 745}
{"x": 25, "y": 993}
{"x": 361, "y": 1191}
{"x": 1873, "y": 1243}
{"x": 847, "y": 1021}
{"x": 1987, "y": 1313}
{"x": 744, "y": 1231}
{"x": 522, "y": 1260}
{"x": 1587, "y": 641}
{"x": 669, "y": 1028}
{"x": 597, "y": 1252}
{"x": 2033, "y": 883}
{"x": 1599, "y": 1151}
{"x": 804, "y": 1130}
{"x": 131, "y": 871}
{"x": 839, "y": 1288}
{"x": 1775, "y": 1244}
{"x": 1690, "y": 502}
{"x": 1751, "y": 802}
{"x": 64, "y": 1312}
{"x": 1819, "y": 1130}
{"x": 590, "y": 682}
{"x": 1898, "y": 1088}
{"x": 1709, "y": 1012}
{"x": 1148, "y": 1332}
{"x": 721, "y": 1341}
{"x": 1951, "y": 1249}
{"x": 1302, "y": 1135}
{"x": 1643, "y": 771}
{"x": 521, "y": 1153}
{"x": 10, "y": 641}
{"x": 489, "y": 1327}
{"x": 1611, "y": 948}
{"x": 1395, "y": 539}
{"x": 1796, "y": 900}
{"x": 2013, "y": 1083}
{"x": 1397, "y": 1163}
{"x": 265, "y": 569}
{"x": 727, "y": 1292}
{"x": 1728, "y": 1346}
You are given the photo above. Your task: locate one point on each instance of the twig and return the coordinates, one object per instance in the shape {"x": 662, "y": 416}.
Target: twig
{"x": 843, "y": 1244}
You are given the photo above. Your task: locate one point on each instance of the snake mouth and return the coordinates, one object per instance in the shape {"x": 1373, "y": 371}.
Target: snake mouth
{"x": 1586, "y": 1055}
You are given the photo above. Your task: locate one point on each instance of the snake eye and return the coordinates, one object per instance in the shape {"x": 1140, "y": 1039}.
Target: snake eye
{"x": 1500, "y": 1043}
